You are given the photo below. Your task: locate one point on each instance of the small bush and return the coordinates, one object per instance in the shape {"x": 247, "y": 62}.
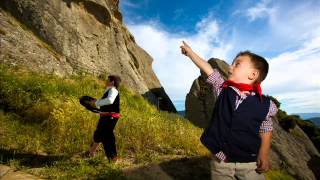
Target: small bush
{"x": 288, "y": 123}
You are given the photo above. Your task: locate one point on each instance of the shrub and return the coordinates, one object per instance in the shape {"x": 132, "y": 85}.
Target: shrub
{"x": 287, "y": 123}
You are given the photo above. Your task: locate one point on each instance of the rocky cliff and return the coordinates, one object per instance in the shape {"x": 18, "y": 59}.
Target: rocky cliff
{"x": 67, "y": 37}
{"x": 200, "y": 100}
{"x": 292, "y": 151}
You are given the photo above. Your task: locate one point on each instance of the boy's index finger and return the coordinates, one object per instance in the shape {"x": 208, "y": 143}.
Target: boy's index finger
{"x": 184, "y": 43}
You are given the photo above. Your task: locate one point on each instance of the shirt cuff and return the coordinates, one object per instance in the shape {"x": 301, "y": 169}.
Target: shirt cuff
{"x": 96, "y": 103}
{"x": 266, "y": 126}
{"x": 215, "y": 80}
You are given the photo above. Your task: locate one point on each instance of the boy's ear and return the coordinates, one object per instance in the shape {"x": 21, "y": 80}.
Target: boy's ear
{"x": 254, "y": 75}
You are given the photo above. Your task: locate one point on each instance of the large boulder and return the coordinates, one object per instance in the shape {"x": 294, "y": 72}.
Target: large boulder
{"x": 292, "y": 151}
{"x": 200, "y": 100}
{"x": 67, "y": 37}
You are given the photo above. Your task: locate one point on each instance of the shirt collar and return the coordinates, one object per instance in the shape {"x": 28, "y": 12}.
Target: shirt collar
{"x": 109, "y": 87}
{"x": 242, "y": 94}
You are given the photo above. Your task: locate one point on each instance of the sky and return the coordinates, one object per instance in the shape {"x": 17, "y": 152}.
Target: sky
{"x": 286, "y": 33}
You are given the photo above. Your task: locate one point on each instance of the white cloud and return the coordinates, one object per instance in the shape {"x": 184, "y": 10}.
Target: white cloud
{"x": 297, "y": 102}
{"x": 129, "y": 4}
{"x": 287, "y": 21}
{"x": 260, "y": 10}
{"x": 294, "y": 78}
{"x": 299, "y": 66}
{"x": 300, "y": 22}
{"x": 175, "y": 71}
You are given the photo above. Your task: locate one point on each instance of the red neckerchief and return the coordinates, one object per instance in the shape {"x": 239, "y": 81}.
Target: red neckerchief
{"x": 244, "y": 87}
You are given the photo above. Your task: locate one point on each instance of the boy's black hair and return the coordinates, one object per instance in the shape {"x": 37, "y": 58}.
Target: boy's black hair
{"x": 115, "y": 79}
{"x": 259, "y": 63}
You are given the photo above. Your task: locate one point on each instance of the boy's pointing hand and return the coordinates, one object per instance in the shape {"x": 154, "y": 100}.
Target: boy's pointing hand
{"x": 185, "y": 48}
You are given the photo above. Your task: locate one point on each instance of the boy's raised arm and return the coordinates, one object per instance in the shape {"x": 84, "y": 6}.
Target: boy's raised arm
{"x": 201, "y": 63}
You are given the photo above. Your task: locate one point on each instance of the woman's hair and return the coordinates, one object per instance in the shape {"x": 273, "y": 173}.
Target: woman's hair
{"x": 116, "y": 80}
{"x": 259, "y": 63}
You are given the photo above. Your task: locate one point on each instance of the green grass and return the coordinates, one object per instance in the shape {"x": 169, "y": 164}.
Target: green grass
{"x": 94, "y": 168}
{"x": 278, "y": 175}
{"x": 40, "y": 114}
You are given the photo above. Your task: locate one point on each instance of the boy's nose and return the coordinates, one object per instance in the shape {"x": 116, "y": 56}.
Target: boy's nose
{"x": 230, "y": 67}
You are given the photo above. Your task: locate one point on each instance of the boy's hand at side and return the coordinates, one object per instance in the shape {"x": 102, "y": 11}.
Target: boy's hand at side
{"x": 263, "y": 164}
{"x": 93, "y": 103}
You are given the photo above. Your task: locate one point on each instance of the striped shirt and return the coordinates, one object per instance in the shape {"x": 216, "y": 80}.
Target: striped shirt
{"x": 215, "y": 80}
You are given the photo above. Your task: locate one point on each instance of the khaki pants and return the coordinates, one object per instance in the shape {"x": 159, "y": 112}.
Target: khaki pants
{"x": 233, "y": 171}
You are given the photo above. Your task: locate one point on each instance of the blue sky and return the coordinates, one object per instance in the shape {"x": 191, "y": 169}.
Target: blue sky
{"x": 286, "y": 33}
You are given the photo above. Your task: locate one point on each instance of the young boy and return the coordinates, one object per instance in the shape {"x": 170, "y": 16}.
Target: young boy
{"x": 109, "y": 106}
{"x": 239, "y": 133}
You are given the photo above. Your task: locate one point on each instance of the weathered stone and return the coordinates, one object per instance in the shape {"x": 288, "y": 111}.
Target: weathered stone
{"x": 4, "y": 170}
{"x": 293, "y": 151}
{"x": 67, "y": 37}
{"x": 6, "y": 173}
{"x": 19, "y": 176}
{"x": 200, "y": 99}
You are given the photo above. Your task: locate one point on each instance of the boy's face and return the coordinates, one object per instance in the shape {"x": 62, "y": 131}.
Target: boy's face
{"x": 243, "y": 71}
{"x": 109, "y": 83}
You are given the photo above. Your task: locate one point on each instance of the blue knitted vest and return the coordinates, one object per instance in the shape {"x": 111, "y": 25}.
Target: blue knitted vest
{"x": 236, "y": 132}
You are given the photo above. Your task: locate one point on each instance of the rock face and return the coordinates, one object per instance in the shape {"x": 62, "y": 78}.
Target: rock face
{"x": 294, "y": 152}
{"x": 291, "y": 151}
{"x": 12, "y": 174}
{"x": 200, "y": 100}
{"x": 67, "y": 37}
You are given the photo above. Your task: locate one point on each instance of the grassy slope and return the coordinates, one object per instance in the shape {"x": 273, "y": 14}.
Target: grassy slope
{"x": 43, "y": 125}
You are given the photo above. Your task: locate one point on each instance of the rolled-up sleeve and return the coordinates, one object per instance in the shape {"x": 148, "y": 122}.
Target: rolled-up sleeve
{"x": 112, "y": 94}
{"x": 215, "y": 80}
{"x": 267, "y": 124}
